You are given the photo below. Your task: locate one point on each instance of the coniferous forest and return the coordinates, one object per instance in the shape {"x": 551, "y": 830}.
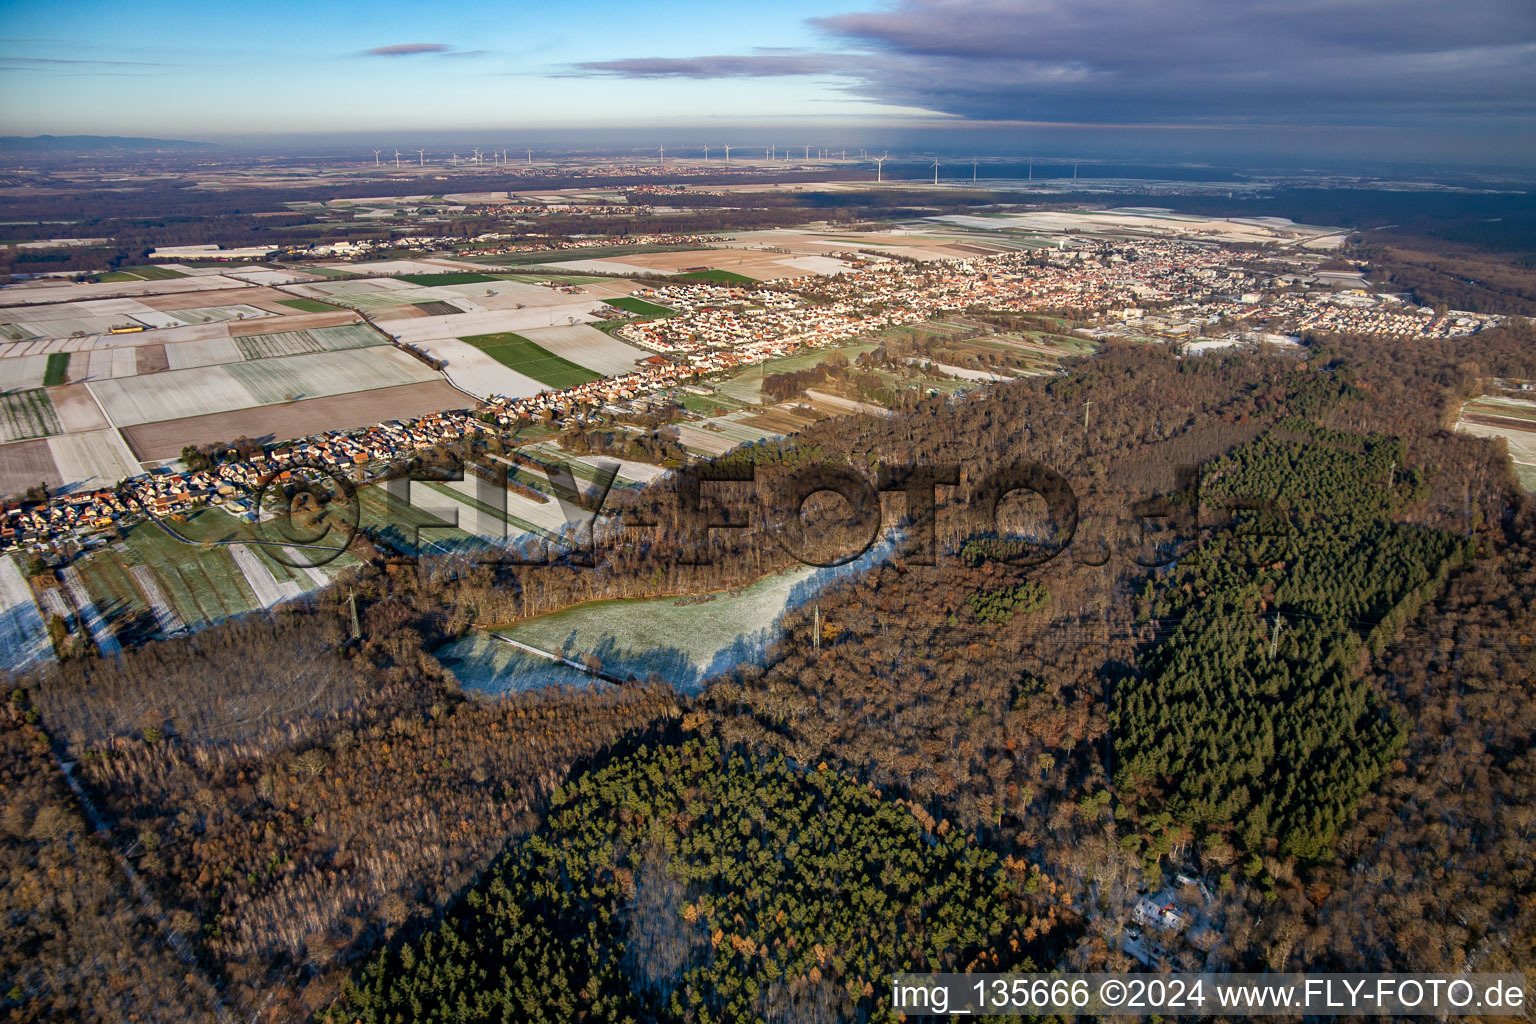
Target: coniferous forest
{"x": 1288, "y": 649}
{"x": 682, "y": 883}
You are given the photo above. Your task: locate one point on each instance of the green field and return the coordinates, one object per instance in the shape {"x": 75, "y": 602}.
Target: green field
{"x": 706, "y": 406}
{"x": 142, "y": 274}
{"x": 26, "y": 414}
{"x": 203, "y": 584}
{"x": 520, "y": 354}
{"x": 450, "y": 278}
{"x": 404, "y": 526}
{"x": 309, "y": 305}
{"x": 633, "y": 305}
{"x": 746, "y": 387}
{"x": 57, "y": 369}
{"x": 714, "y": 277}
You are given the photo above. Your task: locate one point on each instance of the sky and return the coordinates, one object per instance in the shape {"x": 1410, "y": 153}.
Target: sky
{"x": 1436, "y": 79}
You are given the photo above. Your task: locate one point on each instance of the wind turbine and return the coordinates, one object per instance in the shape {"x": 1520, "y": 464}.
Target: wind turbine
{"x": 397, "y": 159}
{"x": 1074, "y": 170}
{"x": 376, "y": 157}
{"x": 530, "y": 158}
{"x": 767, "y": 152}
{"x": 807, "y": 152}
{"x": 880, "y": 168}
{"x": 1031, "y": 168}
{"x": 477, "y": 157}
{"x": 844, "y": 156}
{"x": 973, "y": 172}
{"x": 727, "y": 154}
{"x": 935, "y": 170}
{"x": 421, "y": 156}
{"x": 706, "y": 153}
{"x": 663, "y": 150}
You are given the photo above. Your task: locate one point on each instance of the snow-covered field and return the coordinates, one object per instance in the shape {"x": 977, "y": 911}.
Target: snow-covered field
{"x": 267, "y": 590}
{"x": 589, "y": 347}
{"x": 23, "y": 635}
{"x": 98, "y": 627}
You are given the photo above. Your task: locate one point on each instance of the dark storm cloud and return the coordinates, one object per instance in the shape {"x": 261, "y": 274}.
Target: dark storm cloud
{"x": 405, "y": 50}
{"x": 1197, "y": 59}
{"x": 761, "y": 65}
{"x": 1189, "y": 61}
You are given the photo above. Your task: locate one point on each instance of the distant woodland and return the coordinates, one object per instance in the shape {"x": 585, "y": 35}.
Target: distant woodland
{"x": 1311, "y": 686}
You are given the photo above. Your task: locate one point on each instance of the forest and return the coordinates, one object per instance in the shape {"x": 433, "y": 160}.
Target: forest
{"x": 303, "y": 803}
{"x": 685, "y": 883}
{"x": 1250, "y": 720}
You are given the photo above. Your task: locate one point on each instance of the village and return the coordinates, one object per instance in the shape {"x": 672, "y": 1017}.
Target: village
{"x": 1174, "y": 291}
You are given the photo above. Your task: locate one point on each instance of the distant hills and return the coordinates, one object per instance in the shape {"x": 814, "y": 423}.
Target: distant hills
{"x": 94, "y": 144}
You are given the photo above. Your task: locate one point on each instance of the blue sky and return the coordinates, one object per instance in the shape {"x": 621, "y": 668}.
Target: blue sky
{"x": 1396, "y": 78}
{"x": 214, "y": 68}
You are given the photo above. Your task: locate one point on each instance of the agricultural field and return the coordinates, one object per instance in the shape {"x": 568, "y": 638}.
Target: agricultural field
{"x": 268, "y": 276}
{"x": 1154, "y": 223}
{"x": 23, "y": 372}
{"x": 226, "y": 307}
{"x": 707, "y": 405}
{"x": 266, "y": 587}
{"x": 164, "y": 439}
{"x": 587, "y": 347}
{"x": 433, "y": 280}
{"x": 56, "y": 371}
{"x": 640, "y": 307}
{"x": 531, "y": 360}
{"x": 558, "y": 257}
{"x": 83, "y": 460}
{"x": 216, "y": 314}
{"x": 106, "y": 363}
{"x": 746, "y": 387}
{"x": 703, "y": 442}
{"x": 1512, "y": 417}
{"x": 475, "y": 507}
{"x": 150, "y": 359}
{"x": 584, "y": 467}
{"x": 141, "y": 274}
{"x": 320, "y": 339}
{"x": 161, "y": 584}
{"x": 92, "y": 460}
{"x": 25, "y": 414}
{"x": 416, "y": 328}
{"x": 477, "y": 372}
{"x": 25, "y": 464}
{"x": 309, "y": 305}
{"x": 69, "y": 319}
{"x": 186, "y": 355}
{"x": 410, "y": 527}
{"x": 715, "y": 277}
{"x": 77, "y": 410}
{"x": 34, "y": 293}
{"x": 199, "y": 391}
{"x": 23, "y": 634}
{"x": 437, "y": 308}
